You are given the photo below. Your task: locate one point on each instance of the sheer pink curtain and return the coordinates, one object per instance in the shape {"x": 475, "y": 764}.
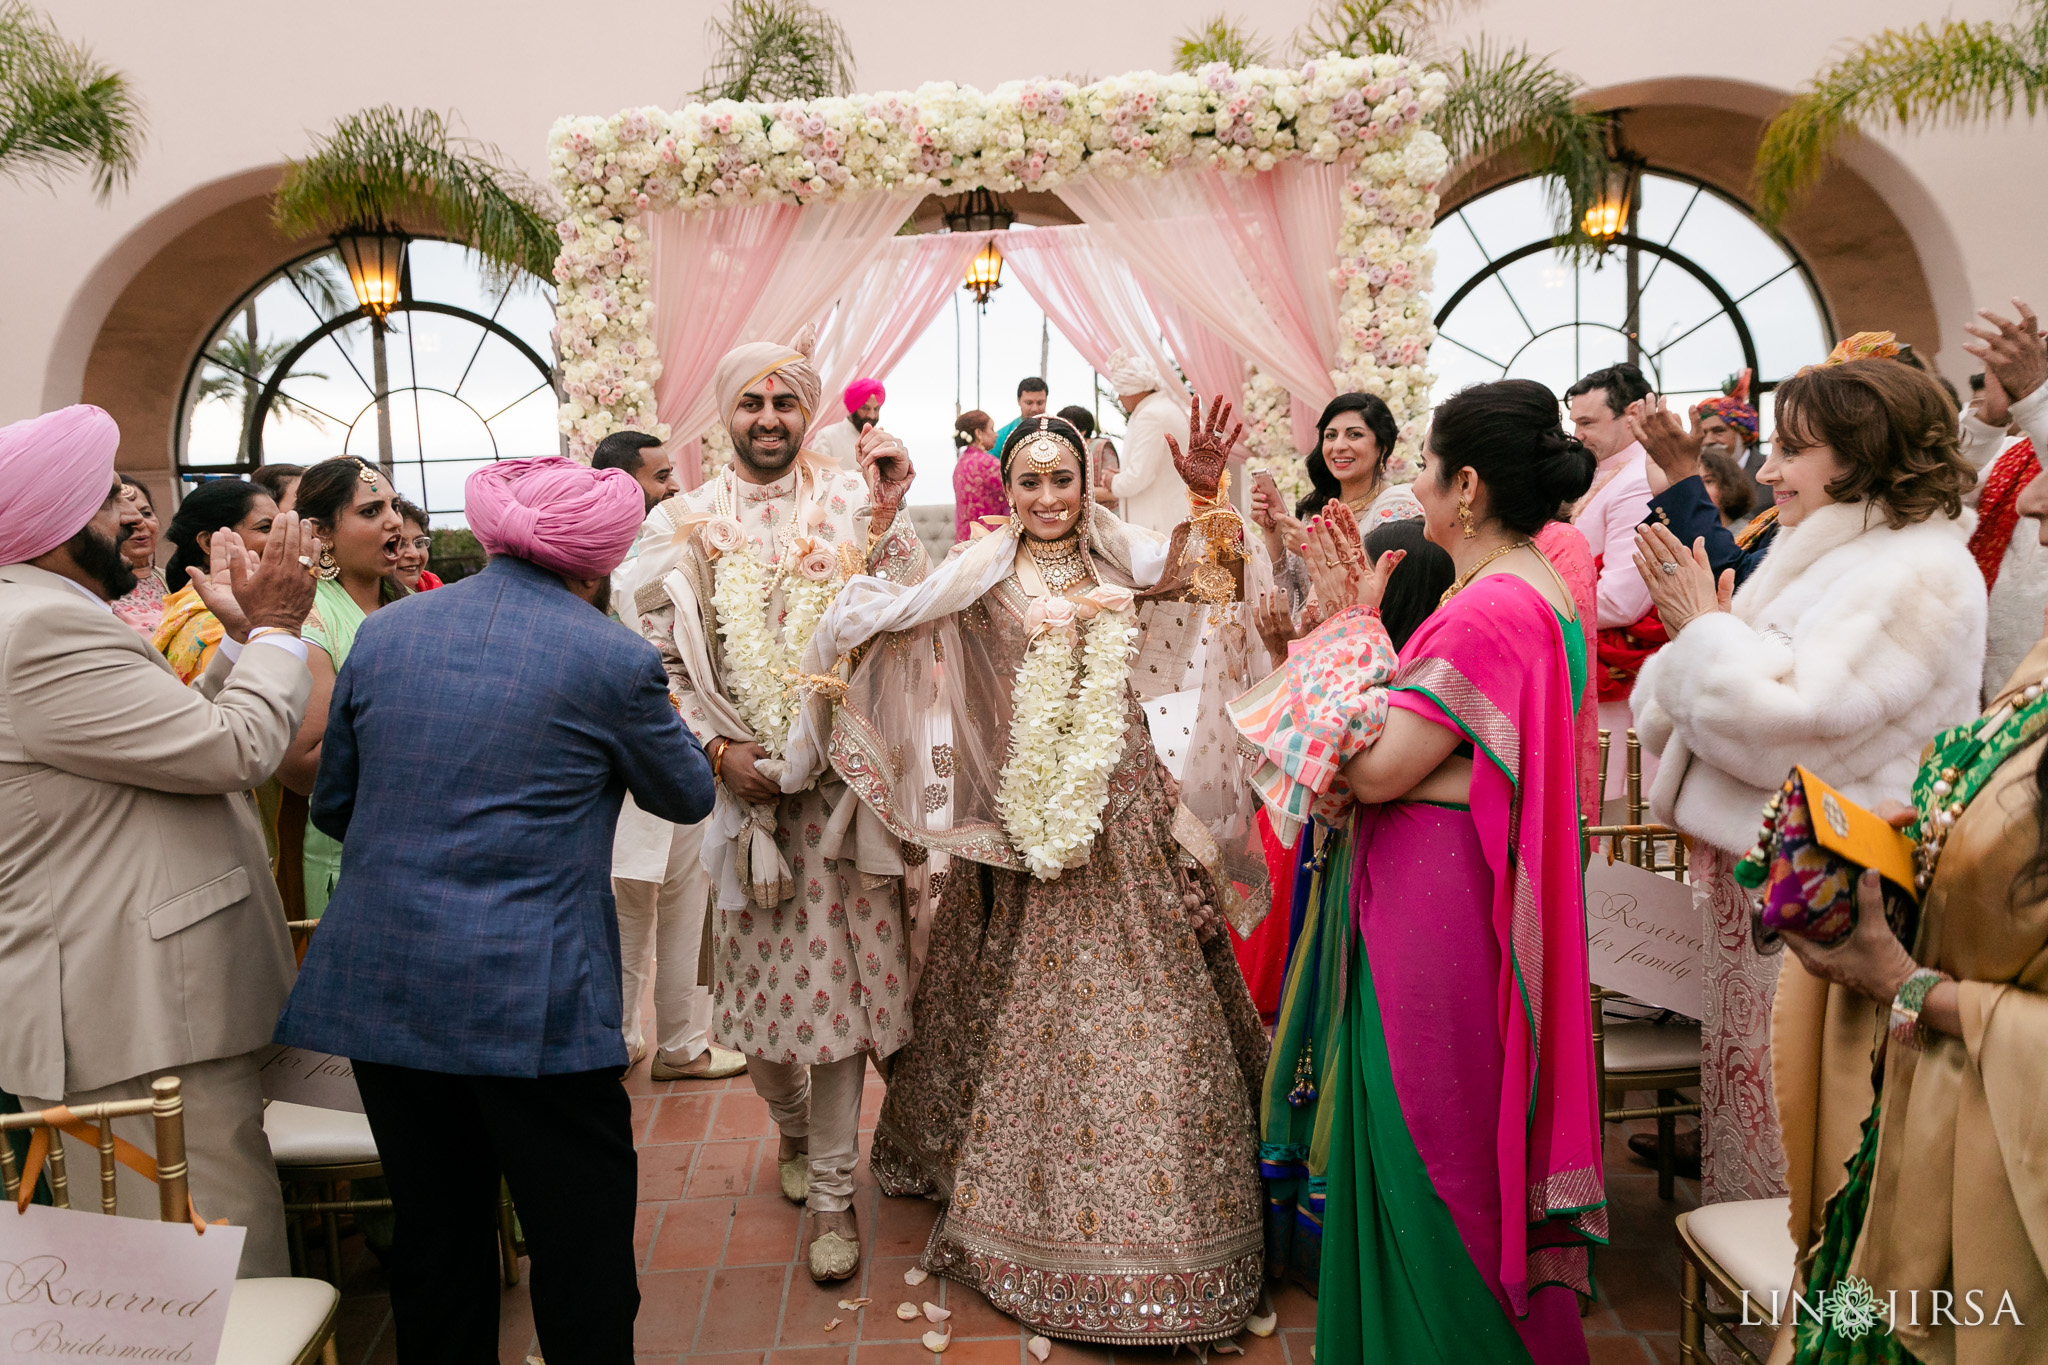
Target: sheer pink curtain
{"x": 887, "y": 307}
{"x": 1211, "y": 364}
{"x": 1240, "y": 254}
{"x": 760, "y": 273}
{"x": 1090, "y": 295}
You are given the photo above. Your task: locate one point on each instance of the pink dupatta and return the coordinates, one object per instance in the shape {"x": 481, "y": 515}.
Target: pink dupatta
{"x": 1491, "y": 663}
{"x": 1565, "y": 547}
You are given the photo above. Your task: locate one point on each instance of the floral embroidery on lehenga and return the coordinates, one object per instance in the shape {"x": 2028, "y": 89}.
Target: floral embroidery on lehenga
{"x": 1104, "y": 1186}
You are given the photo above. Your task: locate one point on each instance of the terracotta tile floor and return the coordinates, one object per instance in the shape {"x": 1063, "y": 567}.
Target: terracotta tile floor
{"x": 721, "y": 1282}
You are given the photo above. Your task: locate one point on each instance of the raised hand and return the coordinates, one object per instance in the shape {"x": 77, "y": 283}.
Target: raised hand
{"x": 1201, "y": 464}
{"x": 1275, "y": 625}
{"x": 886, "y": 466}
{"x": 1681, "y": 582}
{"x": 275, "y": 592}
{"x": 1674, "y": 451}
{"x": 2014, "y": 351}
{"x": 1336, "y": 560}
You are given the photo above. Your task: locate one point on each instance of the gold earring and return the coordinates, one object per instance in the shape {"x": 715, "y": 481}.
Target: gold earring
{"x": 330, "y": 567}
{"x": 1465, "y": 518}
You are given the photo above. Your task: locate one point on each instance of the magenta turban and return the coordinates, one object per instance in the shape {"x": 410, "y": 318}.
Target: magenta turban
{"x": 560, "y": 514}
{"x": 861, "y": 390}
{"x": 55, "y": 474}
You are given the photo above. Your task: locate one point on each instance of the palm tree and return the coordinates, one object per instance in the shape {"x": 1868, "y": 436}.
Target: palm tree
{"x": 60, "y": 111}
{"x": 238, "y": 363}
{"x": 1219, "y": 39}
{"x": 1501, "y": 100}
{"x": 384, "y": 168}
{"x": 771, "y": 50}
{"x": 1953, "y": 72}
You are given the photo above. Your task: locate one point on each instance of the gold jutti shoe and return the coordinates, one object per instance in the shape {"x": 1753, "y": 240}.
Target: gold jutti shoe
{"x": 834, "y": 1258}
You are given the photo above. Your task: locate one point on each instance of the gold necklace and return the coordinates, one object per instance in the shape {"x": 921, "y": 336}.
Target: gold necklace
{"x": 1361, "y": 505}
{"x": 1466, "y": 577}
{"x": 1060, "y": 563}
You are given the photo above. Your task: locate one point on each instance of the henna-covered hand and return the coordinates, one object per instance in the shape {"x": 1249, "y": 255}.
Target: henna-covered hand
{"x": 1201, "y": 464}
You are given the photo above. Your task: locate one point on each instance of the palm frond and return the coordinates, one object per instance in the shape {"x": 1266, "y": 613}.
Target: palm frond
{"x": 772, "y": 50}
{"x": 1366, "y": 28}
{"x": 61, "y": 111}
{"x": 1219, "y": 39}
{"x": 1951, "y": 72}
{"x": 1509, "y": 100}
{"x": 383, "y": 167}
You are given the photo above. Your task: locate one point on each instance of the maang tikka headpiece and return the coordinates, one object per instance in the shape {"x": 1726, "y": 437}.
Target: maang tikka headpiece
{"x": 1043, "y": 452}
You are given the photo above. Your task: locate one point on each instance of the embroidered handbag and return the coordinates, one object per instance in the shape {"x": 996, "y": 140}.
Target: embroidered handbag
{"x": 1814, "y": 845}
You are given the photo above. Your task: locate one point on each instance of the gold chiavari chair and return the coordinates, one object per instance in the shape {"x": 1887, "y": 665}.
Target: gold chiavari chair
{"x": 270, "y": 1321}
{"x": 1661, "y": 1057}
{"x": 1743, "y": 1250}
{"x": 319, "y": 1151}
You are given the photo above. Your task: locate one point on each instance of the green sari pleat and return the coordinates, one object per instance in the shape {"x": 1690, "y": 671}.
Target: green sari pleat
{"x": 1398, "y": 1283}
{"x": 1294, "y": 1124}
{"x": 1820, "y": 1343}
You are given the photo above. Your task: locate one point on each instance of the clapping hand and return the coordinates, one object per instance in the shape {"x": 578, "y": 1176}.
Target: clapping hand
{"x": 1337, "y": 564}
{"x": 886, "y": 466}
{"x": 1275, "y": 624}
{"x": 246, "y": 593}
{"x": 1674, "y": 451}
{"x": 2014, "y": 352}
{"x": 1201, "y": 464}
{"x": 1681, "y": 581}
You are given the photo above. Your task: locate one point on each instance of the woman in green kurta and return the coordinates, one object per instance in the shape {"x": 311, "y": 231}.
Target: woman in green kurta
{"x": 350, "y": 503}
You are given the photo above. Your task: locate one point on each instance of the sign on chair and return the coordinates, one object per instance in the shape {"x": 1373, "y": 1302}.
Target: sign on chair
{"x": 321, "y": 1080}
{"x": 1643, "y": 936}
{"x": 77, "y": 1285}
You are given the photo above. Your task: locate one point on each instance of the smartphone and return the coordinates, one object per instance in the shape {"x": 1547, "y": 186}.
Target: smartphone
{"x": 1264, "y": 479}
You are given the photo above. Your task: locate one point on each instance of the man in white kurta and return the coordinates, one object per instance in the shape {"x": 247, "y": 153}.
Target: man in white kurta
{"x": 810, "y": 971}
{"x": 1147, "y": 486}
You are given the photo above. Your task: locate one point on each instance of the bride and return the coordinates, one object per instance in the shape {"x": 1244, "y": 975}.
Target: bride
{"x": 1080, "y": 1088}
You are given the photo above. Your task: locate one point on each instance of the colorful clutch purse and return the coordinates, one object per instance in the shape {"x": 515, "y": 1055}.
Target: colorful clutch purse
{"x": 1814, "y": 845}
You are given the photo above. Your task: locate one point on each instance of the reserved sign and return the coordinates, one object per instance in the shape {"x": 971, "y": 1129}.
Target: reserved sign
{"x": 85, "y": 1286}
{"x": 1643, "y": 936}
{"x": 321, "y": 1080}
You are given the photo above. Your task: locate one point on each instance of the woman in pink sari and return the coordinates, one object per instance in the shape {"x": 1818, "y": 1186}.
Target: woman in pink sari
{"x": 1465, "y": 1187}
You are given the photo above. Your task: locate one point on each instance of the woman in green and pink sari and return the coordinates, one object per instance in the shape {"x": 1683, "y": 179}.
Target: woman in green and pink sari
{"x": 1464, "y": 1183}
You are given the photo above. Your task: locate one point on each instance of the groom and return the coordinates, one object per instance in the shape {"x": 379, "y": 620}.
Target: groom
{"x": 807, "y": 929}
{"x": 477, "y": 749}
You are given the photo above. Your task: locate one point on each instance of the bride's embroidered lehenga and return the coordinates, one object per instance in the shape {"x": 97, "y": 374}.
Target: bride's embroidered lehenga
{"x": 1080, "y": 1087}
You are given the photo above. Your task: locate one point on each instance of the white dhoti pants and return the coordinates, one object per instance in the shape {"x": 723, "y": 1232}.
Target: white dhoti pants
{"x": 821, "y": 1102}
{"x": 232, "y": 1174}
{"x": 661, "y": 927}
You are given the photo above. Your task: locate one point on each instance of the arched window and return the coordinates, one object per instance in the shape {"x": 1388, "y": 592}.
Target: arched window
{"x": 293, "y": 373}
{"x": 1693, "y": 290}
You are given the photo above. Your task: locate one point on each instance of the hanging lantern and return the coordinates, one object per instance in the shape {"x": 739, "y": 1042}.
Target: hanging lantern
{"x": 375, "y": 262}
{"x": 985, "y": 274}
{"x": 1611, "y": 215}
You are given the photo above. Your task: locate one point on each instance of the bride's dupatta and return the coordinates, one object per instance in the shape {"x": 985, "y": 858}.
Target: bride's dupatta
{"x": 1491, "y": 663}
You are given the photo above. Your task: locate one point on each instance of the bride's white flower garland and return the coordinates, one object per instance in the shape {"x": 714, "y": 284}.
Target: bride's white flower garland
{"x": 1064, "y": 742}
{"x": 758, "y": 658}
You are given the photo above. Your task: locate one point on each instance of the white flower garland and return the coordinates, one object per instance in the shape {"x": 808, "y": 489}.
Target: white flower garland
{"x": 1064, "y": 742}
{"x": 758, "y": 658}
{"x": 1025, "y": 135}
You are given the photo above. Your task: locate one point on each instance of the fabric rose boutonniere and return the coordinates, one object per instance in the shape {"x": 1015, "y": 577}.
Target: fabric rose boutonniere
{"x": 723, "y": 535}
{"x": 815, "y": 562}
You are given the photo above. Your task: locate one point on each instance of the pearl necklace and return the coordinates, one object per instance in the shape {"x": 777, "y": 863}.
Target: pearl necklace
{"x": 1059, "y": 562}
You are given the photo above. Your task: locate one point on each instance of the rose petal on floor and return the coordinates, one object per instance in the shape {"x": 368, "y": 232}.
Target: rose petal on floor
{"x": 909, "y": 1312}
{"x": 916, "y": 1275}
{"x": 1039, "y": 1347}
{"x": 854, "y": 1305}
{"x": 1262, "y": 1327}
{"x": 1228, "y": 1348}
{"x": 935, "y": 1313}
{"x": 937, "y": 1342}
{"x": 830, "y": 1325}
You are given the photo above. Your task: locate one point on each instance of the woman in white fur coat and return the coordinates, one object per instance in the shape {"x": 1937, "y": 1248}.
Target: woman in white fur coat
{"x": 1861, "y": 634}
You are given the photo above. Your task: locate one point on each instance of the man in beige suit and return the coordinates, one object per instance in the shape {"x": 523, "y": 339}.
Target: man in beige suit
{"x": 141, "y": 934}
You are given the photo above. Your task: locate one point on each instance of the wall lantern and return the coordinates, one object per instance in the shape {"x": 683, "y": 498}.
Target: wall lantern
{"x": 375, "y": 262}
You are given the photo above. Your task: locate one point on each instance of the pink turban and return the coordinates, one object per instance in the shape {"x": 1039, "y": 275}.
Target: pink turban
{"x": 560, "y": 514}
{"x": 861, "y": 390}
{"x": 55, "y": 473}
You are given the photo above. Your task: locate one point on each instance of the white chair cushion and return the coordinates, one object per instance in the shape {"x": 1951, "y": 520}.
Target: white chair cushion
{"x": 301, "y": 1135}
{"x": 272, "y": 1322}
{"x": 1748, "y": 1239}
{"x": 1637, "y": 1046}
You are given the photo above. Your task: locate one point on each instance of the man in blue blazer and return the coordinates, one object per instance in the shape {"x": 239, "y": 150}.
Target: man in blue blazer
{"x": 478, "y": 747}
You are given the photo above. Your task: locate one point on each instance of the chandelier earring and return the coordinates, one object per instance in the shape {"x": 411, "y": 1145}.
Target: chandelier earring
{"x": 1465, "y": 518}
{"x": 330, "y": 567}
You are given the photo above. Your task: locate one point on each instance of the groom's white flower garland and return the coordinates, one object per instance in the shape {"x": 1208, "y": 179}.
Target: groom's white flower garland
{"x": 759, "y": 658}
{"x": 1064, "y": 741}
{"x": 1025, "y": 135}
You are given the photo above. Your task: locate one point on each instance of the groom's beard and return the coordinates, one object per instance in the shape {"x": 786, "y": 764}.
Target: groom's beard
{"x": 100, "y": 560}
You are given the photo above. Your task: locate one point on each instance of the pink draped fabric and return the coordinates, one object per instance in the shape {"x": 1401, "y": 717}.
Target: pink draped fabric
{"x": 1243, "y": 254}
{"x": 1561, "y": 544}
{"x": 1091, "y": 296}
{"x": 758, "y": 273}
{"x": 1491, "y": 665}
{"x": 1211, "y": 364}
{"x": 888, "y": 306}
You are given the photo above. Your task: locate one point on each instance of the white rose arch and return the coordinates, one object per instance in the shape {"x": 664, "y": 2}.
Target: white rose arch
{"x": 1271, "y": 225}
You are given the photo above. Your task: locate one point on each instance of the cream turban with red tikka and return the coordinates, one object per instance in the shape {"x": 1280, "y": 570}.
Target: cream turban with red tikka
{"x": 747, "y": 365}
{"x": 554, "y": 512}
{"x": 56, "y": 472}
